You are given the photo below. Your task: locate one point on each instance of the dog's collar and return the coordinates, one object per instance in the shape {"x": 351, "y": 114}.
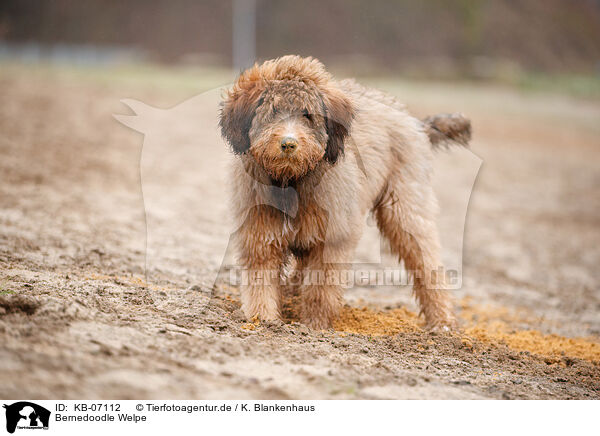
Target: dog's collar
{"x": 281, "y": 184}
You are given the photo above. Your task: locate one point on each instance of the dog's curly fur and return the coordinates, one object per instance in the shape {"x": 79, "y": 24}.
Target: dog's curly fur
{"x": 355, "y": 150}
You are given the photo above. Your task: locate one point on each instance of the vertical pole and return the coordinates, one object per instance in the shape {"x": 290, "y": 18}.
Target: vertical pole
{"x": 244, "y": 34}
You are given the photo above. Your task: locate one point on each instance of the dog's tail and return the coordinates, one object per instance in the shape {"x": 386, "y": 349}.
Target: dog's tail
{"x": 448, "y": 129}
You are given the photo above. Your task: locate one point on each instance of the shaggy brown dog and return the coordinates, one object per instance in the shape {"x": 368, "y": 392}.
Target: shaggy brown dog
{"x": 290, "y": 123}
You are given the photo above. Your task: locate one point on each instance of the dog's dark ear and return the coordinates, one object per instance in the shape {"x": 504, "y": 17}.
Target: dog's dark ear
{"x": 339, "y": 113}
{"x": 238, "y": 109}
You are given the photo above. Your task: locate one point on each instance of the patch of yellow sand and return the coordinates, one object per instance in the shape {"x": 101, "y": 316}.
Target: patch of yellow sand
{"x": 374, "y": 323}
{"x": 550, "y": 346}
{"x": 252, "y": 325}
{"x": 483, "y": 323}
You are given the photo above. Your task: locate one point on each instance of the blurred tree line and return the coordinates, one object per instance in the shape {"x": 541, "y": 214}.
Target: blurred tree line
{"x": 438, "y": 35}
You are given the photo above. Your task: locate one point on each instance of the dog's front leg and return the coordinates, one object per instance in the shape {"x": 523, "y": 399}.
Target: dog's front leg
{"x": 261, "y": 256}
{"x": 322, "y": 289}
{"x": 260, "y": 289}
{"x": 261, "y": 293}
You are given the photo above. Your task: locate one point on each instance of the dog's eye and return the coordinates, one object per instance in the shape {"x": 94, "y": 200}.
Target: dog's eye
{"x": 306, "y": 115}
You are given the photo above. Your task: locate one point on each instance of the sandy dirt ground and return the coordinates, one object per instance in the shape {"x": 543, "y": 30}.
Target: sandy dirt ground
{"x": 81, "y": 317}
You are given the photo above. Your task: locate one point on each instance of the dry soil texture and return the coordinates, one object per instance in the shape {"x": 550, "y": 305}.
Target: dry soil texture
{"x": 80, "y": 318}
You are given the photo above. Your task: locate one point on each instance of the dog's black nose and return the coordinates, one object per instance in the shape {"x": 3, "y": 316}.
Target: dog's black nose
{"x": 289, "y": 144}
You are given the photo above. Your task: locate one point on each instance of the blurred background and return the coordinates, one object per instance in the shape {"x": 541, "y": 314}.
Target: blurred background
{"x": 524, "y": 42}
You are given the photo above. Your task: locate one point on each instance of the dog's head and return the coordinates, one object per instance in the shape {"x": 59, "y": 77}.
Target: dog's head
{"x": 289, "y": 114}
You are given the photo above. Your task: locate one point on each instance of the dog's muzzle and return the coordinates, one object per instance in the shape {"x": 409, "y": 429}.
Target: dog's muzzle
{"x": 289, "y": 144}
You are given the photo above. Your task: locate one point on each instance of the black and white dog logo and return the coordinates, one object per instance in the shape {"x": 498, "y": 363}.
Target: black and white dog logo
{"x": 26, "y": 415}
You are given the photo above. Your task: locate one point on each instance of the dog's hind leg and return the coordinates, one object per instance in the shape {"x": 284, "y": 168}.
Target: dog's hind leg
{"x": 405, "y": 215}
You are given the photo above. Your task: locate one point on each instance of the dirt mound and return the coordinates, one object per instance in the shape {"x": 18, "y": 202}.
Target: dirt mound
{"x": 376, "y": 323}
{"x": 553, "y": 347}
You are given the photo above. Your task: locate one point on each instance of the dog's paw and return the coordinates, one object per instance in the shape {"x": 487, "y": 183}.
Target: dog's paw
{"x": 441, "y": 321}
{"x": 440, "y": 328}
{"x": 442, "y": 325}
{"x": 266, "y": 314}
